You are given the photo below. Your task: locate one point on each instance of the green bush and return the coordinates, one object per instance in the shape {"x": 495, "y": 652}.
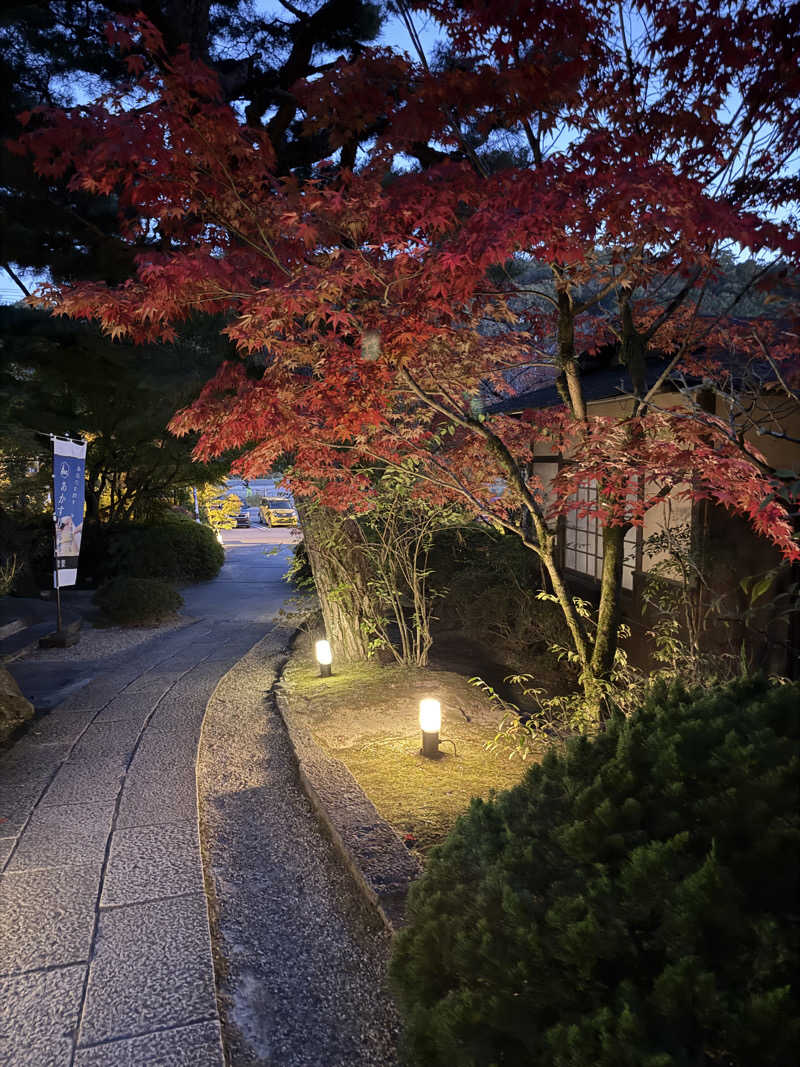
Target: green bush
{"x": 491, "y": 584}
{"x": 137, "y": 601}
{"x": 633, "y": 903}
{"x": 176, "y": 550}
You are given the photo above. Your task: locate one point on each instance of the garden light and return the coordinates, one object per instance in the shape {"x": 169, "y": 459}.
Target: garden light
{"x": 430, "y": 722}
{"x": 322, "y": 650}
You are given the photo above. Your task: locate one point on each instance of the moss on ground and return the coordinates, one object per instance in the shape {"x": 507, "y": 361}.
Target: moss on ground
{"x": 366, "y": 716}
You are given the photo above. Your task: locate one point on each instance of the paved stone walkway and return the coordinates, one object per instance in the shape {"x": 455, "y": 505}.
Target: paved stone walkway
{"x": 104, "y": 939}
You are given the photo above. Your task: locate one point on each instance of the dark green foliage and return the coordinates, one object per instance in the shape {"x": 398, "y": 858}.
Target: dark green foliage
{"x": 633, "y": 903}
{"x": 492, "y": 583}
{"x": 299, "y": 572}
{"x": 137, "y": 601}
{"x": 179, "y": 550}
{"x": 58, "y": 377}
{"x": 30, "y": 542}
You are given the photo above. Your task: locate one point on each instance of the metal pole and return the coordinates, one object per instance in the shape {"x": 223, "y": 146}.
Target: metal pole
{"x": 430, "y": 745}
{"x": 55, "y": 545}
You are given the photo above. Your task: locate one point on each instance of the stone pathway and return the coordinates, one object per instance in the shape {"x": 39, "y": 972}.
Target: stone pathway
{"x": 104, "y": 940}
{"x": 105, "y": 950}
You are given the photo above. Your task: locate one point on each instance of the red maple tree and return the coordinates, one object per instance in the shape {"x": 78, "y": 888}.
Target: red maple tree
{"x": 616, "y": 152}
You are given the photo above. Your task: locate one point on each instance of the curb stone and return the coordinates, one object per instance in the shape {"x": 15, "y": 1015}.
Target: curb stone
{"x": 381, "y": 865}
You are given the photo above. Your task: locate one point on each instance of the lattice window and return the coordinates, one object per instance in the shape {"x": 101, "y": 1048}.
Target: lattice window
{"x": 583, "y": 541}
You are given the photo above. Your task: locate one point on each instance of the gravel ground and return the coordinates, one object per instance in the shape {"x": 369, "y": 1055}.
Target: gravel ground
{"x": 301, "y": 958}
{"x": 105, "y": 642}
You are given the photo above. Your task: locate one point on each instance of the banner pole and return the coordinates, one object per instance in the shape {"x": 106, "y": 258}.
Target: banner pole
{"x": 55, "y": 547}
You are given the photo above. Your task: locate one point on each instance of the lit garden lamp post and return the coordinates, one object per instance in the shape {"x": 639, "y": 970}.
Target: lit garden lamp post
{"x": 430, "y": 722}
{"x": 322, "y": 650}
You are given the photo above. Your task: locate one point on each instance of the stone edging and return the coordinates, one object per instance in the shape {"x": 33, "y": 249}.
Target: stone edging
{"x": 380, "y": 863}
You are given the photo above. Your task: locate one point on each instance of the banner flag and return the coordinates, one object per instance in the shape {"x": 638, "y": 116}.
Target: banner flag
{"x": 69, "y": 465}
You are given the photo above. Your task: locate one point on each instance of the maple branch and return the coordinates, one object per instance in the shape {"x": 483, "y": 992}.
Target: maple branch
{"x": 775, "y": 369}
{"x": 533, "y": 141}
{"x": 15, "y": 278}
{"x": 449, "y": 112}
{"x": 672, "y": 306}
{"x": 667, "y": 371}
{"x": 496, "y": 445}
{"x": 629, "y": 68}
{"x": 681, "y": 352}
{"x": 296, "y": 11}
{"x": 578, "y": 309}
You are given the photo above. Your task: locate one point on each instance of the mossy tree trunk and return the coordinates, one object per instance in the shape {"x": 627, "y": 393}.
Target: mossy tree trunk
{"x": 341, "y": 576}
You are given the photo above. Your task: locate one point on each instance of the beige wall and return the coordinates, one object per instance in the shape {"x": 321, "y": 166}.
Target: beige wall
{"x": 772, "y": 411}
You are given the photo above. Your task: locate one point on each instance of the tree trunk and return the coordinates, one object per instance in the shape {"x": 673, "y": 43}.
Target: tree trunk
{"x": 341, "y": 575}
{"x": 605, "y": 643}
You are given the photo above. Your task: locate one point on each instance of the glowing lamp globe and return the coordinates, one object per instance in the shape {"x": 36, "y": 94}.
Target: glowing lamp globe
{"x": 322, "y": 650}
{"x": 430, "y": 716}
{"x": 430, "y": 722}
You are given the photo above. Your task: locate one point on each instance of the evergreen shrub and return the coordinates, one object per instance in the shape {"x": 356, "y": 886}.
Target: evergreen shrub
{"x": 176, "y": 550}
{"x": 137, "y": 601}
{"x": 632, "y": 903}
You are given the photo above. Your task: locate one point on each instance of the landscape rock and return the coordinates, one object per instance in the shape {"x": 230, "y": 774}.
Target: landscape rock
{"x": 14, "y": 708}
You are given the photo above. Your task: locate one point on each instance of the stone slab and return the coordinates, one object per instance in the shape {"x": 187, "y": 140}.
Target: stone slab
{"x": 90, "y": 698}
{"x": 17, "y": 801}
{"x": 65, "y": 836}
{"x": 158, "y": 795}
{"x": 167, "y": 745}
{"x": 134, "y": 706}
{"x": 30, "y": 762}
{"x": 107, "y": 739}
{"x": 58, "y": 726}
{"x": 148, "y": 862}
{"x": 102, "y": 690}
{"x": 46, "y": 917}
{"x": 157, "y": 678}
{"x": 38, "y": 1016}
{"x": 6, "y": 848}
{"x": 151, "y": 969}
{"x": 85, "y": 782}
{"x": 184, "y": 718}
{"x": 188, "y": 1046}
{"x": 197, "y": 685}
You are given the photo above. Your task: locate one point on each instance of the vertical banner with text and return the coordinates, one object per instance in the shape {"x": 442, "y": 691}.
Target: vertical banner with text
{"x": 69, "y": 464}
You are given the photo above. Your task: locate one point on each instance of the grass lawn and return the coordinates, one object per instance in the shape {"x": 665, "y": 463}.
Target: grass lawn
{"x": 367, "y": 717}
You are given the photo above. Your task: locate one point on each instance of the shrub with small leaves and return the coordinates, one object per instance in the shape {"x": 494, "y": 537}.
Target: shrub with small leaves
{"x": 137, "y": 601}
{"x": 177, "y": 550}
{"x": 632, "y": 903}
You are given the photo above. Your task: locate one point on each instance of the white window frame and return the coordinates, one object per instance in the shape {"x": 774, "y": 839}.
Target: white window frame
{"x": 583, "y": 541}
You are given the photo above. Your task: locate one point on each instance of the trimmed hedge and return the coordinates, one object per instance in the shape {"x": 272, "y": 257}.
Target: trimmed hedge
{"x": 633, "y": 903}
{"x": 176, "y": 550}
{"x": 137, "y": 601}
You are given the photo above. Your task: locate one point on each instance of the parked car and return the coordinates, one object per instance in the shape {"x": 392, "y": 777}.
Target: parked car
{"x": 278, "y": 511}
{"x": 243, "y": 519}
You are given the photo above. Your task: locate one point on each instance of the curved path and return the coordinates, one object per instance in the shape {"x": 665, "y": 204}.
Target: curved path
{"x": 105, "y": 955}
{"x": 302, "y": 954}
